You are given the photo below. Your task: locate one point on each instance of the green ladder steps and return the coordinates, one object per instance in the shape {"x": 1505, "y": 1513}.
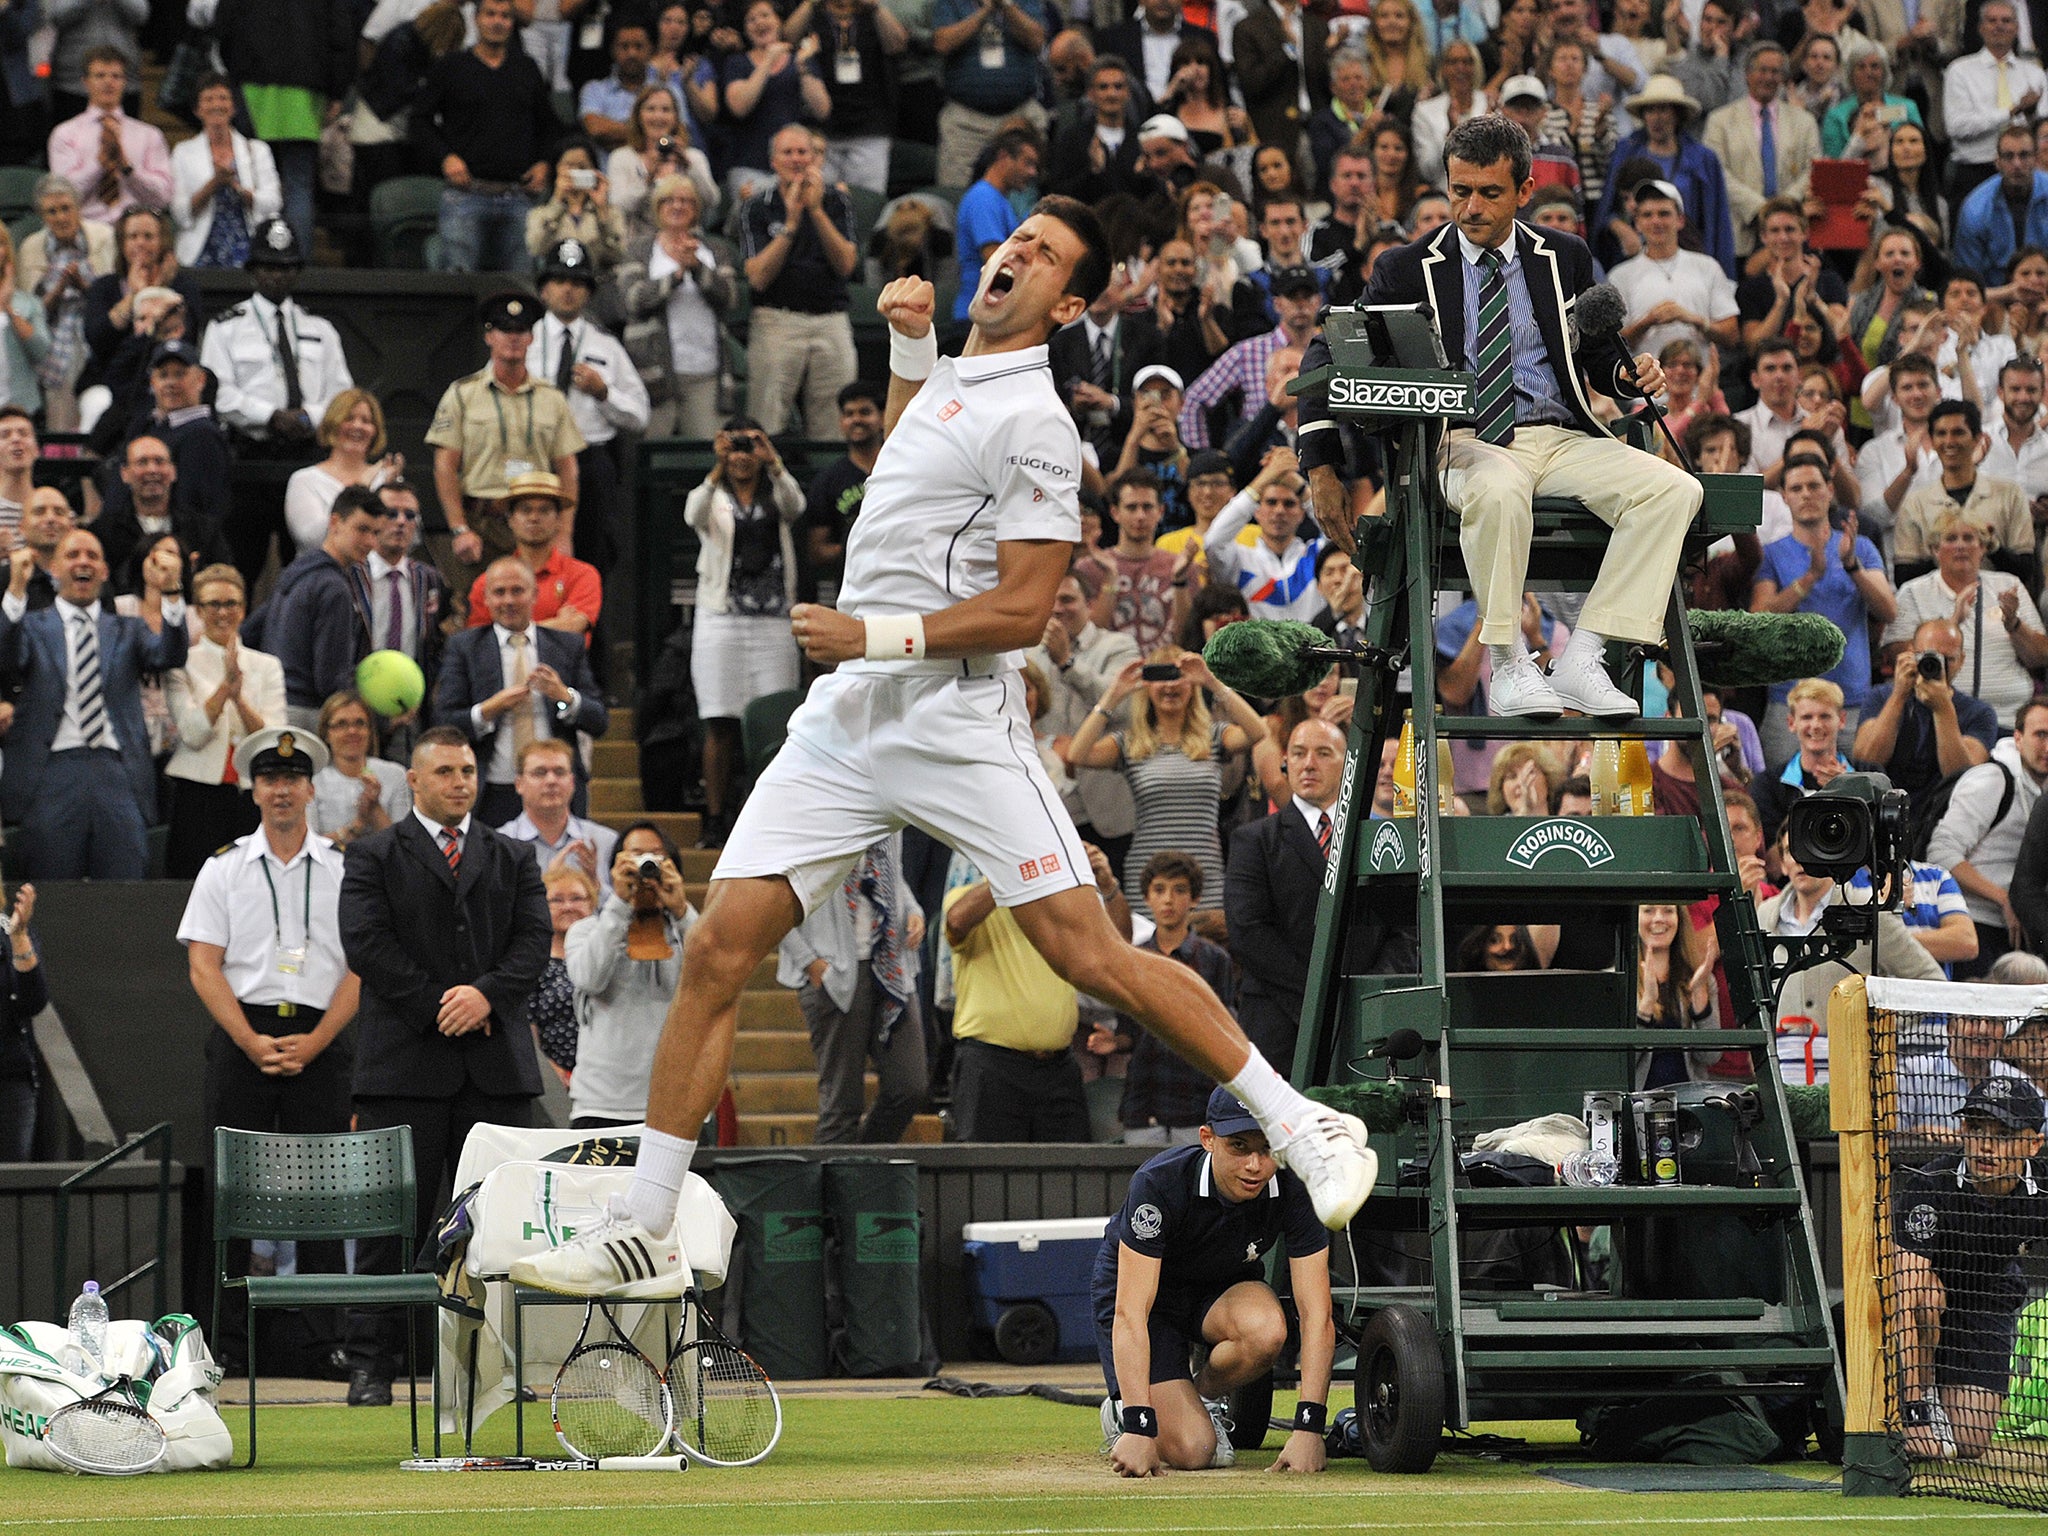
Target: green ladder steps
{"x": 1567, "y": 728}
{"x": 1674, "y": 1361}
{"x": 1478, "y": 1036}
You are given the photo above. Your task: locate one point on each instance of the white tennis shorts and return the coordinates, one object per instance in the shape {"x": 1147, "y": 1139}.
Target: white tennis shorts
{"x": 868, "y": 755}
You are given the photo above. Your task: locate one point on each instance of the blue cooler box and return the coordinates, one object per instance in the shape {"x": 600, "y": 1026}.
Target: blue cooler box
{"x": 1029, "y": 1281}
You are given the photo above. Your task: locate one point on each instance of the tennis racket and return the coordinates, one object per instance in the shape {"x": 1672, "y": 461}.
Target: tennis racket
{"x": 727, "y": 1413}
{"x": 108, "y": 1434}
{"x": 609, "y": 1399}
{"x": 545, "y": 1464}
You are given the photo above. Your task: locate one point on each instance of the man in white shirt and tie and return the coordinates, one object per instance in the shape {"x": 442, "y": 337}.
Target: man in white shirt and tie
{"x": 405, "y": 601}
{"x": 78, "y": 773}
{"x": 606, "y": 396}
{"x": 1985, "y": 90}
{"x": 546, "y": 782}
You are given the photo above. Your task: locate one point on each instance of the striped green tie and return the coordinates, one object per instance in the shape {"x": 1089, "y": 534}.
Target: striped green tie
{"x": 1495, "y": 417}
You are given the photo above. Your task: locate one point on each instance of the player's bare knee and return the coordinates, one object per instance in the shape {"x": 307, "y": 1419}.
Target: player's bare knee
{"x": 717, "y": 957}
{"x": 1264, "y": 1337}
{"x": 1187, "y": 1448}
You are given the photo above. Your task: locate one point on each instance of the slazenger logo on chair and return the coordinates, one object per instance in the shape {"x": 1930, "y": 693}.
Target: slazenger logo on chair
{"x": 1560, "y": 833}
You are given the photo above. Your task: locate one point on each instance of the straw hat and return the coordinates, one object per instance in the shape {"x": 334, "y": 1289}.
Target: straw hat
{"x": 1662, "y": 91}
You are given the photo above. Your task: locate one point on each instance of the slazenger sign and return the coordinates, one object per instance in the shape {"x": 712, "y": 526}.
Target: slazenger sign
{"x": 1407, "y": 399}
{"x": 1560, "y": 834}
{"x": 1337, "y": 824}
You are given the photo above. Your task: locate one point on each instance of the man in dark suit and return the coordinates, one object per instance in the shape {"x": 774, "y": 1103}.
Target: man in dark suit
{"x": 78, "y": 774}
{"x": 1503, "y": 293}
{"x": 1094, "y": 362}
{"x": 1271, "y": 883}
{"x": 1096, "y": 153}
{"x": 1276, "y": 49}
{"x": 1162, "y": 23}
{"x": 403, "y": 615}
{"x": 446, "y": 922}
{"x": 510, "y": 681}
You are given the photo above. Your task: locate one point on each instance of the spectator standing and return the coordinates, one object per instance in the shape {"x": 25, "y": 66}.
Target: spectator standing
{"x": 1146, "y": 43}
{"x": 800, "y": 249}
{"x": 295, "y": 61}
{"x": 990, "y": 49}
{"x": 26, "y": 996}
{"x": 447, "y": 924}
{"x": 1283, "y": 230}
{"x": 858, "y": 43}
{"x": 411, "y": 614}
{"x": 1813, "y": 722}
{"x": 116, "y": 161}
{"x": 25, "y": 342}
{"x": 114, "y": 315}
{"x": 1151, "y": 585}
{"x": 1173, "y": 754}
{"x": 352, "y": 431}
{"x": 1154, "y": 444}
{"x": 24, "y": 102}
{"x": 311, "y": 623}
{"x": 675, "y": 287}
{"x": 590, "y": 367}
{"x": 1080, "y": 660}
{"x": 225, "y": 694}
{"x": 1892, "y": 464}
{"x": 1993, "y": 610}
{"x": 568, "y": 593}
{"x": 854, "y": 962}
{"x": 1997, "y": 508}
{"x": 1277, "y": 574}
{"x": 625, "y": 963}
{"x": 357, "y": 793}
{"x": 1337, "y": 246}
{"x": 1096, "y": 154}
{"x": 78, "y": 774}
{"x": 986, "y": 214}
{"x": 657, "y": 147}
{"x": 147, "y": 506}
{"x": 744, "y": 514}
{"x": 82, "y": 28}
{"x": 58, "y": 263}
{"x": 156, "y": 569}
{"x": 46, "y": 517}
{"x": 771, "y": 87}
{"x": 832, "y": 501}
{"x": 1982, "y": 91}
{"x": 1663, "y": 108}
{"x": 1774, "y": 375}
{"x": 263, "y": 952}
{"x": 1927, "y": 729}
{"x": 1458, "y": 68}
{"x": 2005, "y": 211}
{"x": 1766, "y": 144}
{"x": 572, "y": 896}
{"x": 1297, "y": 295}
{"x": 1015, "y": 1077}
{"x": 546, "y": 783}
{"x": 2019, "y": 448}
{"x": 1979, "y": 836}
{"x": 1672, "y": 294}
{"x": 495, "y": 424}
{"x": 484, "y": 120}
{"x": 1096, "y": 360}
{"x": 605, "y": 107}
{"x": 1792, "y": 284}
{"x": 1275, "y": 876}
{"x": 1281, "y": 55}
{"x": 580, "y": 211}
{"x": 514, "y": 681}
{"x": 1815, "y": 569}
{"x": 223, "y": 185}
{"x": 18, "y": 454}
{"x": 1165, "y": 1099}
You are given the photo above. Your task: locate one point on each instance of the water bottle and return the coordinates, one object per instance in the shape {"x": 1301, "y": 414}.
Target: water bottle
{"x": 1588, "y": 1170}
{"x": 89, "y": 1322}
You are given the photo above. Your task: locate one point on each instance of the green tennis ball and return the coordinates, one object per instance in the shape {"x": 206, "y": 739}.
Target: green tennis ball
{"x": 390, "y": 682}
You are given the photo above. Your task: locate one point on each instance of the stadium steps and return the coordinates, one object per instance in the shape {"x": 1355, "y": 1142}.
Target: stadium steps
{"x": 800, "y": 1130}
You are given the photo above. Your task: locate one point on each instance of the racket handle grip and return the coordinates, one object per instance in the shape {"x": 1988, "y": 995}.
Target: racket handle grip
{"x": 642, "y": 1463}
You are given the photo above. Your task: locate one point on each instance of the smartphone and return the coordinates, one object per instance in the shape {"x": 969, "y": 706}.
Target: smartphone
{"x": 583, "y": 181}
{"x": 1160, "y": 672}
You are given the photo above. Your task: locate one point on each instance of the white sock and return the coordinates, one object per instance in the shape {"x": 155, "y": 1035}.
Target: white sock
{"x": 658, "y": 1179}
{"x": 1268, "y": 1095}
{"x": 1586, "y": 649}
{"x": 1504, "y": 656}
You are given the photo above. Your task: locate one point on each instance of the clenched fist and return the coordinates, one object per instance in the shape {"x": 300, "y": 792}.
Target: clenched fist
{"x": 907, "y": 304}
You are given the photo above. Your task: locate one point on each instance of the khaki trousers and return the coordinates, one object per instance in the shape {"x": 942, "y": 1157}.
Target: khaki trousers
{"x": 1648, "y": 502}
{"x": 794, "y": 357}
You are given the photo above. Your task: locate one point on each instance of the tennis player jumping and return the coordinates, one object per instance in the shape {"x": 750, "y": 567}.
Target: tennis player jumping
{"x": 969, "y": 523}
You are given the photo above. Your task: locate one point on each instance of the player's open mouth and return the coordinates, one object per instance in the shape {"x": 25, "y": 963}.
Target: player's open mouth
{"x": 1002, "y": 282}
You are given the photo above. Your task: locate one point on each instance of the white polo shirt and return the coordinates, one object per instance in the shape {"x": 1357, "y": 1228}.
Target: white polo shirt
{"x": 231, "y": 905}
{"x": 985, "y": 453}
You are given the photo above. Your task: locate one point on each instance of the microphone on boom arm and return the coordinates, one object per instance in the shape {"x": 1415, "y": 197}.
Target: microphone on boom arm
{"x": 1599, "y": 316}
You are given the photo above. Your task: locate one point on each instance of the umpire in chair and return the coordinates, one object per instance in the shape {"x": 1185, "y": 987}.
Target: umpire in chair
{"x": 1504, "y": 293}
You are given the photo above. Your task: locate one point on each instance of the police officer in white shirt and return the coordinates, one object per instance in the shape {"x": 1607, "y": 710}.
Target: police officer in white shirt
{"x": 606, "y": 396}
{"x": 278, "y": 367}
{"x": 263, "y": 947}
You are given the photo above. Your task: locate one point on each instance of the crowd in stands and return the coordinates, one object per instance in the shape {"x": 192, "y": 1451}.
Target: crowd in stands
{"x": 1827, "y": 221}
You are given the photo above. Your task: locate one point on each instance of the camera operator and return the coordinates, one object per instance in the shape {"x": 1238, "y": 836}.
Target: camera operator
{"x": 1927, "y": 729}
{"x": 625, "y": 963}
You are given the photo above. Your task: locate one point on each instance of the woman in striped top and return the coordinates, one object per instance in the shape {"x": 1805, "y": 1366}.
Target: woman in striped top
{"x": 1173, "y": 754}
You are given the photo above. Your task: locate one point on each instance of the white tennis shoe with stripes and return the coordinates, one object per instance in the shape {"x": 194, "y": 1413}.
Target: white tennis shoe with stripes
{"x": 617, "y": 1258}
{"x": 1327, "y": 1151}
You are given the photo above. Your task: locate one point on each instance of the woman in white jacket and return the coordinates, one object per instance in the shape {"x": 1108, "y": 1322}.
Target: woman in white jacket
{"x": 222, "y": 184}
{"x": 222, "y": 693}
{"x": 741, "y": 647}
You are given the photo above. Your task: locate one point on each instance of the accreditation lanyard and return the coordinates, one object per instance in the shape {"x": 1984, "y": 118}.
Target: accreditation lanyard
{"x": 504, "y": 442}
{"x": 291, "y": 958}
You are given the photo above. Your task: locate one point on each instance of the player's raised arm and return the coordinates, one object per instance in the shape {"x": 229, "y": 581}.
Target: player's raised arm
{"x": 908, "y": 305}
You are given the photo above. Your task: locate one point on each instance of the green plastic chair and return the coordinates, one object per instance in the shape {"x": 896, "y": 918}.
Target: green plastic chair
{"x": 405, "y": 212}
{"x": 763, "y": 725}
{"x": 18, "y": 191}
{"x": 355, "y": 1184}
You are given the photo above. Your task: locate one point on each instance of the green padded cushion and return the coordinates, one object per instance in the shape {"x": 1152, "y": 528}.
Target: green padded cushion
{"x": 328, "y": 1290}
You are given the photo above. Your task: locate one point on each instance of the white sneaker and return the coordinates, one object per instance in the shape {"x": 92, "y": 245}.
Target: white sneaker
{"x": 1327, "y": 1151}
{"x": 1521, "y": 689}
{"x": 1586, "y": 687}
{"x": 616, "y": 1258}
{"x": 1219, "y": 1416}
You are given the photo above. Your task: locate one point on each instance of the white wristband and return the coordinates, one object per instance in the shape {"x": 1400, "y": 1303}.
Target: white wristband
{"x": 913, "y": 357}
{"x": 895, "y": 637}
